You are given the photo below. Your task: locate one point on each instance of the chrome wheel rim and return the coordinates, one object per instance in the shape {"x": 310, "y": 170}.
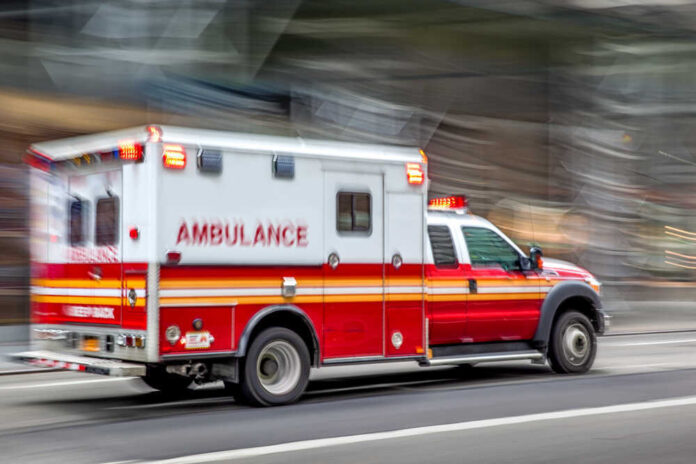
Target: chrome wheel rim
{"x": 576, "y": 343}
{"x": 278, "y": 367}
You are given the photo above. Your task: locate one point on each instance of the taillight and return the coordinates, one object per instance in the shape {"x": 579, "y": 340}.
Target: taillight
{"x": 130, "y": 151}
{"x": 174, "y": 156}
{"x": 414, "y": 173}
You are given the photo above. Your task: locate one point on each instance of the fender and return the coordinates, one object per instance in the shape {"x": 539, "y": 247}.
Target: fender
{"x": 259, "y": 316}
{"x": 558, "y": 294}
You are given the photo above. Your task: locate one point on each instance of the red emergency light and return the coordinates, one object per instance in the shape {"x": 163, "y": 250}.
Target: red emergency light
{"x": 129, "y": 151}
{"x": 174, "y": 156}
{"x": 414, "y": 173}
{"x": 448, "y": 203}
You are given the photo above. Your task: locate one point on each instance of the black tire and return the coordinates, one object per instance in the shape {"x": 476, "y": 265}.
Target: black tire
{"x": 276, "y": 368}
{"x": 573, "y": 345}
{"x": 167, "y": 383}
{"x": 235, "y": 391}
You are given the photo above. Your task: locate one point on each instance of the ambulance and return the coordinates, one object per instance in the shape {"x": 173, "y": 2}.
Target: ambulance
{"x": 187, "y": 256}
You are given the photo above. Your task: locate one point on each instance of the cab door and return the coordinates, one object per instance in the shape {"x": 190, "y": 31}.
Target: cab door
{"x": 353, "y": 268}
{"x": 504, "y": 302}
{"x": 94, "y": 252}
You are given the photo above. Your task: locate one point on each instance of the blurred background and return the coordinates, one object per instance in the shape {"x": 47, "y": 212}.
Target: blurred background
{"x": 567, "y": 123}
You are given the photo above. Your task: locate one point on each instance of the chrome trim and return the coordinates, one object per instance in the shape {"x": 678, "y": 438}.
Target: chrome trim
{"x": 371, "y": 359}
{"x": 208, "y": 354}
{"x": 489, "y": 357}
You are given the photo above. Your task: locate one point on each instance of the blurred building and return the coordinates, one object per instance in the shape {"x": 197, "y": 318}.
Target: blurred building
{"x": 567, "y": 123}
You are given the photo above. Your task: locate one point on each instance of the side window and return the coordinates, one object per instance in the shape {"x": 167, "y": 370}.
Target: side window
{"x": 107, "y": 221}
{"x": 353, "y": 212}
{"x": 442, "y": 246}
{"x": 78, "y": 222}
{"x": 486, "y": 247}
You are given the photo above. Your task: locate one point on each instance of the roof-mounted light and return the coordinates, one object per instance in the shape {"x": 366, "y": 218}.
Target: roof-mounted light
{"x": 457, "y": 204}
{"x": 173, "y": 156}
{"x": 154, "y": 133}
{"x": 129, "y": 151}
{"x": 414, "y": 173}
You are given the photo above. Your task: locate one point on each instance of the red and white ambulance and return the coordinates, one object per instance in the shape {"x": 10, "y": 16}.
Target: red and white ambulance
{"x": 183, "y": 255}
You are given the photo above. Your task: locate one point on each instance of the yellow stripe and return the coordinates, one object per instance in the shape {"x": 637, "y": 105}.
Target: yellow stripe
{"x": 87, "y": 283}
{"x": 505, "y": 296}
{"x": 276, "y": 281}
{"x": 98, "y": 300}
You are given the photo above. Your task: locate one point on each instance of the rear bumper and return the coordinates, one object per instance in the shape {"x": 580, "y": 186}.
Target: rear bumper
{"x": 81, "y": 363}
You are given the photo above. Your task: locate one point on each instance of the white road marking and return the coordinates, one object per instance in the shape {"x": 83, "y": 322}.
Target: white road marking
{"x": 420, "y": 431}
{"x": 64, "y": 383}
{"x": 656, "y": 342}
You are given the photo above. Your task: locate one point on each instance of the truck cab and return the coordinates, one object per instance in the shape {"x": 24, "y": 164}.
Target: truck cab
{"x": 488, "y": 300}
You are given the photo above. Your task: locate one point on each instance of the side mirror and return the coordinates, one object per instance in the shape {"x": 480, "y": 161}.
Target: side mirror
{"x": 535, "y": 255}
{"x": 525, "y": 263}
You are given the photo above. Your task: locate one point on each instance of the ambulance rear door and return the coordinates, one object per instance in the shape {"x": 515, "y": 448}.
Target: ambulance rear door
{"x": 94, "y": 246}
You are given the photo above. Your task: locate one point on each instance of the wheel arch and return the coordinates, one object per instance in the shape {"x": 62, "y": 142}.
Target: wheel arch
{"x": 288, "y": 316}
{"x": 566, "y": 295}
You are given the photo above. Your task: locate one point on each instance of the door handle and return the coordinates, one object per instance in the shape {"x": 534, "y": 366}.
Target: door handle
{"x": 95, "y": 274}
{"x": 473, "y": 286}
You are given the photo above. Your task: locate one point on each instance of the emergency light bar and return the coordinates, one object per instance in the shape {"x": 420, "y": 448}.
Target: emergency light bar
{"x": 457, "y": 204}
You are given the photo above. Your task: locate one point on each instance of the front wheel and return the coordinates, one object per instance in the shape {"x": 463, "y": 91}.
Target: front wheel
{"x": 276, "y": 368}
{"x": 573, "y": 344}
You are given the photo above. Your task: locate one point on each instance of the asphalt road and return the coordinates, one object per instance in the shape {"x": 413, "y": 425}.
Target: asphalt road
{"x": 638, "y": 405}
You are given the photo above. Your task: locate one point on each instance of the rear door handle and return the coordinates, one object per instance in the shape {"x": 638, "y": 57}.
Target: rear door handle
{"x": 95, "y": 274}
{"x": 473, "y": 286}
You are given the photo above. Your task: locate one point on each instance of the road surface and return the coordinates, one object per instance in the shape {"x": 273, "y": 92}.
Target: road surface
{"x": 638, "y": 405}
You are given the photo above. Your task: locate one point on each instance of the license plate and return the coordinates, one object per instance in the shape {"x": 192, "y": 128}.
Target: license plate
{"x": 90, "y": 344}
{"x": 197, "y": 340}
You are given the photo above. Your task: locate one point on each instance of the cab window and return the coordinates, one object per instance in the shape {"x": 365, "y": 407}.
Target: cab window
{"x": 353, "y": 212}
{"x": 77, "y": 222}
{"x": 107, "y": 221}
{"x": 487, "y": 248}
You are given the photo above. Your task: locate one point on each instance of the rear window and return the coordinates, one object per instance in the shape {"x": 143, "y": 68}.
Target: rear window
{"x": 442, "y": 246}
{"x": 77, "y": 223}
{"x": 107, "y": 221}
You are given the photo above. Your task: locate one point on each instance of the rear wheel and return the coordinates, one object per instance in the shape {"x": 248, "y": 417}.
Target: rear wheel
{"x": 276, "y": 368}
{"x": 573, "y": 344}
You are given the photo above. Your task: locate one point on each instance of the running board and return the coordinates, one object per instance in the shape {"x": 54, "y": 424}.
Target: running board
{"x": 485, "y": 357}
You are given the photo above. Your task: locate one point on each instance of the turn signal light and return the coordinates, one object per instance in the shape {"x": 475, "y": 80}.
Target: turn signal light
{"x": 414, "y": 173}
{"x": 155, "y": 133}
{"x": 174, "y": 157}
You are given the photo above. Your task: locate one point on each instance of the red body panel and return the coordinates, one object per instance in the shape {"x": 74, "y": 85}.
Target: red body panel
{"x": 68, "y": 294}
{"x": 353, "y": 328}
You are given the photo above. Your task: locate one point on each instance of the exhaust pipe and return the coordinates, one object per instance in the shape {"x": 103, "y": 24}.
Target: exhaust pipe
{"x": 199, "y": 371}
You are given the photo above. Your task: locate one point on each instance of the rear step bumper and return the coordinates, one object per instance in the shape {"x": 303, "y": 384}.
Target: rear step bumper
{"x": 484, "y": 357}
{"x": 81, "y": 363}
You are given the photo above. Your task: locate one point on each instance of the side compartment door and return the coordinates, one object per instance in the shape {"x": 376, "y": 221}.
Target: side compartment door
{"x": 403, "y": 262}
{"x": 353, "y": 266}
